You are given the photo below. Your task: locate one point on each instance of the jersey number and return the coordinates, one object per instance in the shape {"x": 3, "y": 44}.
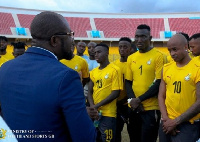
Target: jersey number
{"x": 140, "y": 70}
{"x": 109, "y": 134}
{"x": 177, "y": 86}
{"x": 99, "y": 83}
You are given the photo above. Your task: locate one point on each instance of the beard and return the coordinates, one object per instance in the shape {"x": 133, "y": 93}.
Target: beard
{"x": 67, "y": 54}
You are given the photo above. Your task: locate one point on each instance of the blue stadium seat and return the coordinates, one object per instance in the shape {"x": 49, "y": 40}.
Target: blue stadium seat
{"x": 21, "y": 31}
{"x": 168, "y": 34}
{"x": 95, "y": 34}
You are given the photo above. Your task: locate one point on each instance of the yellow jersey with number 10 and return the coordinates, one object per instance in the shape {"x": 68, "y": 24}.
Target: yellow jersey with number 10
{"x": 181, "y": 87}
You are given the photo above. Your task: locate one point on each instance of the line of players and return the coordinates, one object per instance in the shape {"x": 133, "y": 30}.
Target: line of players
{"x": 138, "y": 76}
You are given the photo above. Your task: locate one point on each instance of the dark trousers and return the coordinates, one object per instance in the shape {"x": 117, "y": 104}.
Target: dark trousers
{"x": 106, "y": 129}
{"x": 144, "y": 126}
{"x": 188, "y": 133}
{"x": 122, "y": 118}
{"x": 134, "y": 127}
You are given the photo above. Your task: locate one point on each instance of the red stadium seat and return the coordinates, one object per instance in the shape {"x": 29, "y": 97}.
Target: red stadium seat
{"x": 119, "y": 27}
{"x": 79, "y": 25}
{"x": 186, "y": 25}
{"x": 6, "y": 22}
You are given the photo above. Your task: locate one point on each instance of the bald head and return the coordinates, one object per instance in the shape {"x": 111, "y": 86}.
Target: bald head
{"x": 46, "y": 24}
{"x": 92, "y": 44}
{"x": 178, "y": 39}
{"x": 177, "y": 47}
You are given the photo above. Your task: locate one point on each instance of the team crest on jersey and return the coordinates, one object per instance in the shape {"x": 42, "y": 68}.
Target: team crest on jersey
{"x": 188, "y": 77}
{"x": 2, "y": 133}
{"x": 106, "y": 76}
{"x": 76, "y": 67}
{"x": 149, "y": 62}
{"x": 134, "y": 62}
{"x": 169, "y": 77}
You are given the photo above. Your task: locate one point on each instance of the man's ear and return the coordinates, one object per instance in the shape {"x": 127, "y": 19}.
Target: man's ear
{"x": 54, "y": 41}
{"x": 186, "y": 47}
{"x": 150, "y": 38}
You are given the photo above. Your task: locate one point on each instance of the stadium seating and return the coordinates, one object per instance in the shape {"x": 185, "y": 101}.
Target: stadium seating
{"x": 6, "y": 22}
{"x": 25, "y": 20}
{"x": 79, "y": 25}
{"x": 118, "y": 27}
{"x": 186, "y": 25}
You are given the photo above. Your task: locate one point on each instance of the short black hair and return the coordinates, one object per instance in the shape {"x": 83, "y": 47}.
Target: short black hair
{"x": 103, "y": 45}
{"x": 144, "y": 26}
{"x": 3, "y": 38}
{"x": 185, "y": 35}
{"x": 18, "y": 45}
{"x": 125, "y": 39}
{"x": 194, "y": 36}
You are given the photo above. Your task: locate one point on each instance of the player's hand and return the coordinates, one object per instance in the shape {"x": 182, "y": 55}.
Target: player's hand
{"x": 92, "y": 112}
{"x": 169, "y": 126}
{"x": 135, "y": 102}
{"x": 140, "y": 108}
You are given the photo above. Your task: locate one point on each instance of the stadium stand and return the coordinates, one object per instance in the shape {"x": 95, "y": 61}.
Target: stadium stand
{"x": 119, "y": 27}
{"x": 110, "y": 26}
{"x": 79, "y": 25}
{"x": 186, "y": 25}
{"x": 6, "y": 22}
{"x": 25, "y": 20}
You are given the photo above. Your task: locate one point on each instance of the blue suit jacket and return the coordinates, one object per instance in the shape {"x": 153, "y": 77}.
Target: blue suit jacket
{"x": 45, "y": 98}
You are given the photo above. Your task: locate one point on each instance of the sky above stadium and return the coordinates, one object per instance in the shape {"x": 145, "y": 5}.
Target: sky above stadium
{"x": 108, "y": 6}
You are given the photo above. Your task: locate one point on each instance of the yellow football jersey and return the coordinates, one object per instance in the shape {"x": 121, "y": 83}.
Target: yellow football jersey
{"x": 169, "y": 59}
{"x": 180, "y": 87}
{"x": 4, "y": 58}
{"x": 122, "y": 66}
{"x": 105, "y": 81}
{"x": 78, "y": 64}
{"x": 143, "y": 69}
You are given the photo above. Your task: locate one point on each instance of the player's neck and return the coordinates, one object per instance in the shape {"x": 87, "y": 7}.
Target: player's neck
{"x": 184, "y": 61}
{"x": 79, "y": 54}
{"x": 104, "y": 64}
{"x": 123, "y": 58}
{"x": 146, "y": 50}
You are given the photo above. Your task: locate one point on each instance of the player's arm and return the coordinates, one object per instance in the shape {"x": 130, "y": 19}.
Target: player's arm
{"x": 72, "y": 104}
{"x": 128, "y": 80}
{"x": 193, "y": 110}
{"x": 114, "y": 94}
{"x": 154, "y": 88}
{"x": 152, "y": 91}
{"x": 85, "y": 80}
{"x": 90, "y": 93}
{"x": 171, "y": 124}
{"x": 117, "y": 85}
{"x": 129, "y": 90}
{"x": 161, "y": 99}
{"x": 85, "y": 73}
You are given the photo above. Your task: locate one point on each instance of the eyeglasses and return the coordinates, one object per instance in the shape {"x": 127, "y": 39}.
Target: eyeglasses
{"x": 69, "y": 34}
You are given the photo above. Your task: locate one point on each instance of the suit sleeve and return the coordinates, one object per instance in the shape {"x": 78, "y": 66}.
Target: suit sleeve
{"x": 72, "y": 103}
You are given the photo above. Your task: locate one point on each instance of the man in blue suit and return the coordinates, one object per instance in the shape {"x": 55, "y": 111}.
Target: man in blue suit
{"x": 42, "y": 99}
